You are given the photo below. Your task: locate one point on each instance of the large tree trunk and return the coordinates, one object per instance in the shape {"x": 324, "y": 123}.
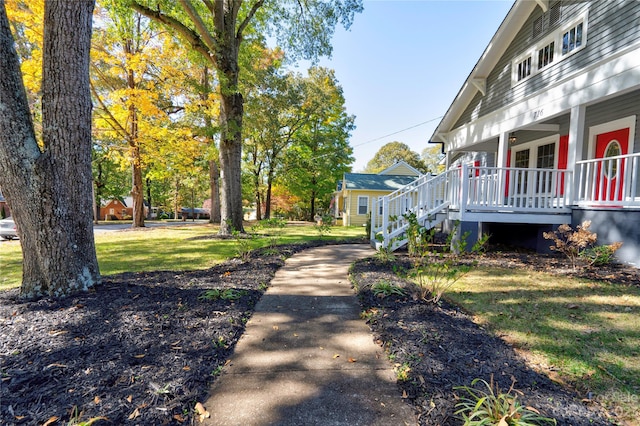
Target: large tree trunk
{"x": 214, "y": 176}
{"x": 230, "y": 159}
{"x": 49, "y": 189}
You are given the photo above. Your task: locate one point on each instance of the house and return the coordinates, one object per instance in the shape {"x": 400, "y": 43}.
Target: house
{"x": 356, "y": 191}
{"x": 544, "y": 131}
{"x": 115, "y": 209}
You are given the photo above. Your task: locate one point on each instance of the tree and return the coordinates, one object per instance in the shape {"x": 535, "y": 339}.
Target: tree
{"x": 321, "y": 153}
{"x": 432, "y": 157}
{"x": 216, "y": 29}
{"x": 390, "y": 154}
{"x": 48, "y": 185}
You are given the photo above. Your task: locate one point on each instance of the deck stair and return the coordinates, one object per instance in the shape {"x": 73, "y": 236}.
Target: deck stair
{"x": 425, "y": 197}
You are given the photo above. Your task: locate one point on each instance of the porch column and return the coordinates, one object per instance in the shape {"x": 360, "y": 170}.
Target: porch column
{"x": 501, "y": 162}
{"x": 503, "y": 149}
{"x": 575, "y": 150}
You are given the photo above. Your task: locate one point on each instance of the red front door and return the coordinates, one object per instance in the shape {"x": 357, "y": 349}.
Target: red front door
{"x": 610, "y": 174}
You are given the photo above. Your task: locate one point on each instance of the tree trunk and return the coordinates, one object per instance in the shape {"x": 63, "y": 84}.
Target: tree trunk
{"x": 230, "y": 159}
{"x": 214, "y": 176}
{"x": 137, "y": 193}
{"x": 148, "y": 186}
{"x": 267, "y": 202}
{"x": 50, "y": 189}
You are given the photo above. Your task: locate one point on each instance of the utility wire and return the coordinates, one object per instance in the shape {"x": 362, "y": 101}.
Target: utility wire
{"x": 396, "y": 132}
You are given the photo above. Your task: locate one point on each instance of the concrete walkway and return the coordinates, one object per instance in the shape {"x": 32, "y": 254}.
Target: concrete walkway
{"x": 306, "y": 358}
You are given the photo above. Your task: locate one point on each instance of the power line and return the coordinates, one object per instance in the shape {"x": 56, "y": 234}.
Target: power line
{"x": 399, "y": 131}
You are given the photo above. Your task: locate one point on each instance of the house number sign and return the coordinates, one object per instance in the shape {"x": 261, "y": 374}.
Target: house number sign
{"x": 538, "y": 114}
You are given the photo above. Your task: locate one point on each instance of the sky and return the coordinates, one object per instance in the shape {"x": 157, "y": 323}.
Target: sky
{"x": 402, "y": 63}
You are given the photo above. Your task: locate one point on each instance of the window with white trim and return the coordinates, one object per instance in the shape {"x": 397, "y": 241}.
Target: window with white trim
{"x": 572, "y": 38}
{"x": 562, "y": 42}
{"x": 524, "y": 69}
{"x": 363, "y": 204}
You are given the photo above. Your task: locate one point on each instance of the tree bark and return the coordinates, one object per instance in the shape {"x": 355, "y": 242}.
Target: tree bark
{"x": 49, "y": 188}
{"x": 214, "y": 176}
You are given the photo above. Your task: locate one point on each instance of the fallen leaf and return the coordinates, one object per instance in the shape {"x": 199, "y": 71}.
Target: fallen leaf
{"x": 352, "y": 360}
{"x": 275, "y": 327}
{"x": 178, "y": 418}
{"x": 572, "y": 306}
{"x": 404, "y": 394}
{"x": 186, "y": 368}
{"x": 51, "y": 421}
{"x": 136, "y": 413}
{"x": 96, "y": 400}
{"x": 139, "y": 356}
{"x": 57, "y": 332}
{"x": 202, "y": 412}
{"x": 130, "y": 398}
{"x": 336, "y": 356}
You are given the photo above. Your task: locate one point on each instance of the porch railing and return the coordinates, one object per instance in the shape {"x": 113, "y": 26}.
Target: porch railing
{"x": 608, "y": 182}
{"x": 425, "y": 198}
{"x": 509, "y": 189}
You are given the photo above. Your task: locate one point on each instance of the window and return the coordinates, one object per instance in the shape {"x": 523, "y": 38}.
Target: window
{"x": 546, "y": 156}
{"x": 545, "y": 55}
{"x": 363, "y": 205}
{"x": 572, "y": 39}
{"x": 610, "y": 168}
{"x": 559, "y": 43}
{"x": 524, "y": 69}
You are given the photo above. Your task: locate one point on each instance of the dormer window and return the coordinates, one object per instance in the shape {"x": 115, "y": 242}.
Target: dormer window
{"x": 545, "y": 55}
{"x": 559, "y": 44}
{"x": 524, "y": 69}
{"x": 572, "y": 39}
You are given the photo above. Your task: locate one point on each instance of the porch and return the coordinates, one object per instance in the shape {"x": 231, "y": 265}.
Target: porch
{"x": 480, "y": 194}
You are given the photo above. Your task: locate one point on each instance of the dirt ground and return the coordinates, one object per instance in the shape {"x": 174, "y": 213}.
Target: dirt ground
{"x": 143, "y": 348}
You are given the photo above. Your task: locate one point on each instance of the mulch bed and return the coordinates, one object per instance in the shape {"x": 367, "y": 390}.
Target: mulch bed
{"x": 446, "y": 349}
{"x": 143, "y": 348}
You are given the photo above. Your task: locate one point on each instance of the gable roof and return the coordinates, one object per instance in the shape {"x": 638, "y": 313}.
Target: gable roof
{"x": 475, "y": 82}
{"x": 371, "y": 182}
{"x": 401, "y": 165}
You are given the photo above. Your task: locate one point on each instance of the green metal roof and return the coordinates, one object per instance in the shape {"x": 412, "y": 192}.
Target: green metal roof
{"x": 373, "y": 182}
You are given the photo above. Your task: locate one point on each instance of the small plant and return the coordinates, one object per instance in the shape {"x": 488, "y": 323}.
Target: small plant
{"x": 323, "y": 226}
{"x": 385, "y": 254}
{"x": 244, "y": 244}
{"x": 384, "y": 289}
{"x": 419, "y": 238}
{"x": 224, "y": 294}
{"x": 402, "y": 371}
{"x": 580, "y": 245}
{"x": 492, "y": 407}
{"x": 434, "y": 278}
{"x": 480, "y": 246}
{"x": 600, "y": 255}
{"x": 220, "y": 343}
{"x": 76, "y": 414}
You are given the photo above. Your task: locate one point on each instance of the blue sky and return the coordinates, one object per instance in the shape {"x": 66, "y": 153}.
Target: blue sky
{"x": 402, "y": 63}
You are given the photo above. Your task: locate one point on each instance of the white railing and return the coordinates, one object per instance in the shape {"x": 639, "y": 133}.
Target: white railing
{"x": 510, "y": 189}
{"x": 424, "y": 197}
{"x": 610, "y": 182}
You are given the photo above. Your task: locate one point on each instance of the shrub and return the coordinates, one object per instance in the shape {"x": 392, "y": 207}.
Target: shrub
{"x": 434, "y": 277}
{"x": 579, "y": 244}
{"x": 493, "y": 407}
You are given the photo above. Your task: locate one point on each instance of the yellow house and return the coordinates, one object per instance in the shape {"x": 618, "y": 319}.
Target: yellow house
{"x": 356, "y": 191}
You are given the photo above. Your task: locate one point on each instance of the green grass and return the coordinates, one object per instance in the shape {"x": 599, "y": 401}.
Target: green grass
{"x": 169, "y": 248}
{"x": 585, "y": 334}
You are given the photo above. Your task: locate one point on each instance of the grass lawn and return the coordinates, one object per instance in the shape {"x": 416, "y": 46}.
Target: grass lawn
{"x": 582, "y": 333}
{"x": 168, "y": 248}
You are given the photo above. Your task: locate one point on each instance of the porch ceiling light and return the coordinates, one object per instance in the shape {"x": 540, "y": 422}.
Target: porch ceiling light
{"x": 512, "y": 138}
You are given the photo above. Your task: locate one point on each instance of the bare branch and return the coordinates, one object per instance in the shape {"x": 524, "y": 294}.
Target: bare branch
{"x": 248, "y": 18}
{"x": 200, "y": 26}
{"x": 185, "y": 32}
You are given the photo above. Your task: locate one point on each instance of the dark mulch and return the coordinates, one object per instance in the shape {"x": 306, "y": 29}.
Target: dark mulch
{"x": 445, "y": 348}
{"x": 144, "y": 348}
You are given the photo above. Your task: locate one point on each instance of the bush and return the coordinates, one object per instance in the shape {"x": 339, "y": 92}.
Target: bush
{"x": 580, "y": 244}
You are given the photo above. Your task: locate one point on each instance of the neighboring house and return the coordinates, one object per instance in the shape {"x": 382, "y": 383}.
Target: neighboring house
{"x": 544, "y": 131}
{"x": 115, "y": 209}
{"x": 356, "y": 192}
